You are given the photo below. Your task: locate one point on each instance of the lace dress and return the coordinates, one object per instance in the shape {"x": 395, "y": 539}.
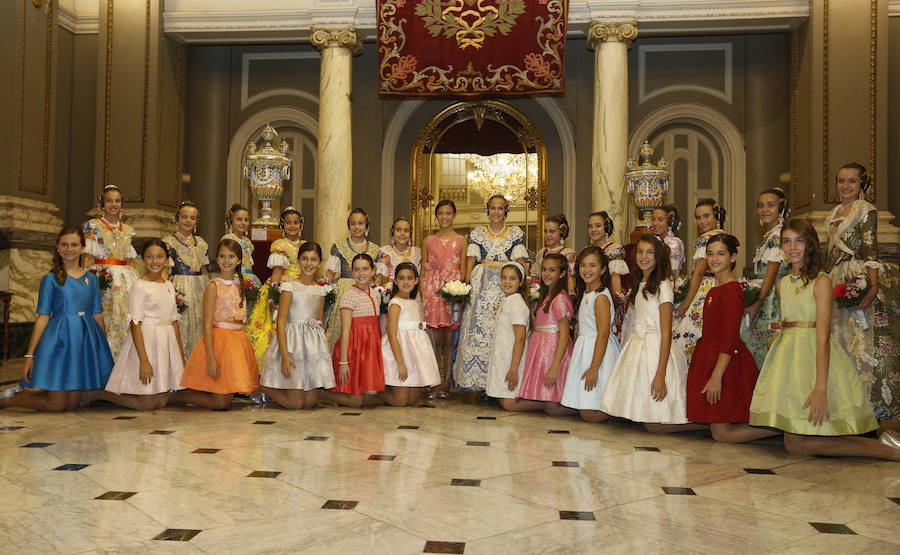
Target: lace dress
{"x": 757, "y": 336}
{"x": 189, "y": 260}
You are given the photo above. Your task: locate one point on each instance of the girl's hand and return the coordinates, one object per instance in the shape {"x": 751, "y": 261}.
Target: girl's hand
{"x": 818, "y": 407}
{"x": 212, "y": 367}
{"x": 146, "y": 372}
{"x": 402, "y": 371}
{"x": 753, "y": 310}
{"x": 287, "y": 365}
{"x": 27, "y": 368}
{"x": 658, "y": 389}
{"x": 550, "y": 377}
{"x": 512, "y": 379}
{"x": 870, "y": 296}
{"x": 679, "y": 312}
{"x": 344, "y": 373}
{"x": 590, "y": 379}
{"x": 713, "y": 390}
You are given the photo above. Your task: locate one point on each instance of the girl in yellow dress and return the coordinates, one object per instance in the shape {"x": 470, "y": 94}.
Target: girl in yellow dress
{"x": 283, "y": 262}
{"x": 108, "y": 247}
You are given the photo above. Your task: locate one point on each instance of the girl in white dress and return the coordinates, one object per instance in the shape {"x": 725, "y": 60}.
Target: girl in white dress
{"x": 507, "y": 362}
{"x": 151, "y": 360}
{"x": 648, "y": 381}
{"x": 298, "y": 364}
{"x": 596, "y": 348}
{"x": 408, "y": 358}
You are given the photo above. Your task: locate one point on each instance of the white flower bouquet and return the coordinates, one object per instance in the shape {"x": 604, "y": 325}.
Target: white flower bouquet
{"x": 455, "y": 291}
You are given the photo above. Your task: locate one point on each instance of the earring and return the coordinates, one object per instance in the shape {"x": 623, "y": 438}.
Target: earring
{"x": 760, "y": 222}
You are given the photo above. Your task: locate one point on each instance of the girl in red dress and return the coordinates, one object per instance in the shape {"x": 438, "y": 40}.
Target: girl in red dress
{"x": 723, "y": 372}
{"x": 357, "y": 355}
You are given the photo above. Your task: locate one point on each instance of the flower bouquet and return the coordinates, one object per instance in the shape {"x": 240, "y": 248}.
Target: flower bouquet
{"x": 103, "y": 276}
{"x": 385, "y": 293}
{"x": 455, "y": 291}
{"x": 681, "y": 289}
{"x": 534, "y": 289}
{"x": 274, "y": 293}
{"x": 752, "y": 289}
{"x": 180, "y": 303}
{"x": 251, "y": 291}
{"x": 330, "y": 293}
{"x": 849, "y": 293}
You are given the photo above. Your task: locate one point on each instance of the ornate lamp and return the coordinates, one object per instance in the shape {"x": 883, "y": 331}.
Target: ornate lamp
{"x": 267, "y": 169}
{"x": 647, "y": 183}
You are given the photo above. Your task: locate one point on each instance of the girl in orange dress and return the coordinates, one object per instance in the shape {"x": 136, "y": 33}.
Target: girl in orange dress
{"x": 223, "y": 363}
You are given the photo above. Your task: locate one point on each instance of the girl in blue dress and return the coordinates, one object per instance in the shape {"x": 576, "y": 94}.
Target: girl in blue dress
{"x": 68, "y": 353}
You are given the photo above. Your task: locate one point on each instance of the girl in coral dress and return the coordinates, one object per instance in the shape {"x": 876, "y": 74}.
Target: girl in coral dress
{"x": 408, "y": 358}
{"x": 108, "y": 247}
{"x": 151, "y": 361}
{"x": 283, "y": 262}
{"x": 190, "y": 258}
{"x": 442, "y": 256}
{"x": 223, "y": 363}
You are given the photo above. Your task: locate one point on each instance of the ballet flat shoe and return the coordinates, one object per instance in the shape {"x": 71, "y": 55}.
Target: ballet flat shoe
{"x": 890, "y": 438}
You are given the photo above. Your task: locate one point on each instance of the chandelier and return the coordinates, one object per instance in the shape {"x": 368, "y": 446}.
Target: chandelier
{"x": 648, "y": 183}
{"x": 510, "y": 175}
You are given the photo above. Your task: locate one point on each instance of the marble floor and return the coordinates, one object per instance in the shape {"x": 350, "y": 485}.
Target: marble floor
{"x": 456, "y": 477}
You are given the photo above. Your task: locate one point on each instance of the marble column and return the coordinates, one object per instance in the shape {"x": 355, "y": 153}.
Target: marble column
{"x": 610, "y": 42}
{"x": 334, "y": 174}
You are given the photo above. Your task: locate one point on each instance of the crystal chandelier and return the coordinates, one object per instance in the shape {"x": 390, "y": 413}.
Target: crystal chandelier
{"x": 510, "y": 175}
{"x": 266, "y": 169}
{"x": 648, "y": 183}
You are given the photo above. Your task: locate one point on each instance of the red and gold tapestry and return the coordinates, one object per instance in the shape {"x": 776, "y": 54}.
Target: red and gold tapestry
{"x": 471, "y": 48}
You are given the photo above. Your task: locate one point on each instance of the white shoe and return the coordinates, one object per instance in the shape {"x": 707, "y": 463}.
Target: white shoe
{"x": 11, "y": 391}
{"x": 258, "y": 398}
{"x": 891, "y": 439}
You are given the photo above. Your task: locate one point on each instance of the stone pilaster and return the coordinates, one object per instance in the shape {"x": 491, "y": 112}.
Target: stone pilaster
{"x": 334, "y": 175}
{"x": 610, "y": 42}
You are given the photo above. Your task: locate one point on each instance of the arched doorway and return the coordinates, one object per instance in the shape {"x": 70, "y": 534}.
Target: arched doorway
{"x": 471, "y": 150}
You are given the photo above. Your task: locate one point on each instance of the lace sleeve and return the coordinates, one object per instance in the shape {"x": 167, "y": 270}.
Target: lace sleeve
{"x": 518, "y": 251}
{"x": 333, "y": 265}
{"x": 868, "y": 234}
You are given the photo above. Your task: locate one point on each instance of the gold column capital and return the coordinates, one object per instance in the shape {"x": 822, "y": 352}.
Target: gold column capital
{"x": 344, "y": 37}
{"x": 611, "y": 31}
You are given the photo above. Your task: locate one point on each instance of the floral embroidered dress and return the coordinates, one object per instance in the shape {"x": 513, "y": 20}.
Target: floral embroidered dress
{"x": 247, "y": 260}
{"x": 477, "y": 328}
{"x": 689, "y": 329}
{"x": 110, "y": 245}
{"x": 444, "y": 264}
{"x": 342, "y": 254}
{"x": 189, "y": 259}
{"x": 544, "y": 251}
{"x": 757, "y": 336}
{"x": 870, "y": 336}
{"x": 676, "y": 252}
{"x": 261, "y": 325}
{"x": 389, "y": 257}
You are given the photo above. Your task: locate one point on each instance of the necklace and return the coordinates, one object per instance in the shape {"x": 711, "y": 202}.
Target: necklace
{"x": 797, "y": 282}
{"x": 490, "y": 231}
{"x": 117, "y": 236}
{"x": 178, "y": 237}
{"x": 404, "y": 254}
{"x": 351, "y": 244}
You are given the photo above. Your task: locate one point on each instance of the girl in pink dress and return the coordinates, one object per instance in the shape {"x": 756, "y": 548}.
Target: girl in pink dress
{"x": 442, "y": 256}
{"x": 550, "y": 346}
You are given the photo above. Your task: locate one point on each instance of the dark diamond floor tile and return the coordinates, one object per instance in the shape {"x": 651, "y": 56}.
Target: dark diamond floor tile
{"x": 11, "y": 428}
{"x": 895, "y": 499}
{"x": 407, "y": 427}
{"x": 72, "y": 466}
{"x": 653, "y": 449}
{"x": 177, "y": 535}
{"x": 350, "y": 413}
{"x": 315, "y": 438}
{"x": 263, "y": 474}
{"x": 342, "y": 505}
{"x": 670, "y": 490}
{"x": 759, "y": 471}
{"x": 576, "y": 515}
{"x": 829, "y": 528}
{"x": 557, "y": 431}
{"x": 125, "y": 418}
{"x": 465, "y": 482}
{"x": 382, "y": 457}
{"x": 37, "y": 445}
{"x": 206, "y": 451}
{"x": 445, "y": 547}
{"x": 264, "y": 422}
{"x": 116, "y": 495}
{"x": 162, "y": 432}
{"x": 478, "y": 443}
{"x": 486, "y": 418}
{"x": 570, "y": 464}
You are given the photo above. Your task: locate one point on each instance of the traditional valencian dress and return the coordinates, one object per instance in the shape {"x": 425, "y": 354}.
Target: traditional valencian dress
{"x": 688, "y": 330}
{"x": 261, "y": 325}
{"x": 444, "y": 264}
{"x": 389, "y": 257}
{"x": 342, "y": 254}
{"x": 757, "y": 336}
{"x": 544, "y": 251}
{"x": 871, "y": 336}
{"x": 189, "y": 259}
{"x": 676, "y": 252}
{"x": 788, "y": 375}
{"x": 110, "y": 245}
{"x": 477, "y": 329}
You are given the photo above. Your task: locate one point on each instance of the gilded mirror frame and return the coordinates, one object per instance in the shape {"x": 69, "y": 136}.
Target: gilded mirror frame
{"x": 422, "y": 199}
